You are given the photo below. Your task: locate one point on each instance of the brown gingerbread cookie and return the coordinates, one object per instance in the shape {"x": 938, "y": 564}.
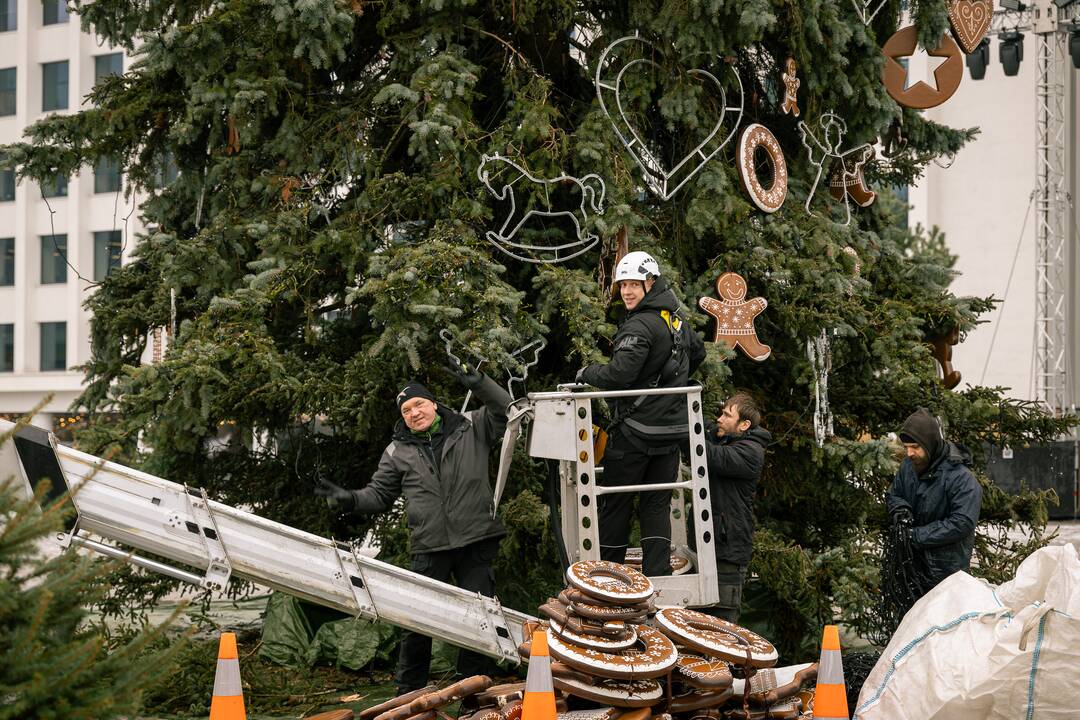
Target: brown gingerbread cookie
{"x": 791, "y": 89}
{"x": 846, "y": 177}
{"x": 735, "y": 316}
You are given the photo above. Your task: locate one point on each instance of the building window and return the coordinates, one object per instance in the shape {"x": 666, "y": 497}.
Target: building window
{"x": 54, "y": 12}
{"x": 7, "y": 88}
{"x": 54, "y": 86}
{"x": 107, "y": 248}
{"x": 167, "y": 172}
{"x": 57, "y": 187}
{"x": 106, "y": 175}
{"x": 8, "y": 16}
{"x": 53, "y": 346}
{"x": 111, "y": 64}
{"x": 7, "y": 347}
{"x": 53, "y": 259}
{"x": 7, "y": 185}
{"x": 7, "y": 261}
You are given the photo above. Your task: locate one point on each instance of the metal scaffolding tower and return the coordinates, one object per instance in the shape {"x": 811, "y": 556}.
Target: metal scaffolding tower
{"x": 1050, "y": 23}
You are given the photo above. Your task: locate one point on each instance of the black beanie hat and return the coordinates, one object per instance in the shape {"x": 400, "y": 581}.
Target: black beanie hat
{"x": 413, "y": 390}
{"x": 923, "y": 428}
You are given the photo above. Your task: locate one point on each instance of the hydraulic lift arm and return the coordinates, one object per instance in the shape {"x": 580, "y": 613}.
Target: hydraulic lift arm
{"x": 152, "y": 515}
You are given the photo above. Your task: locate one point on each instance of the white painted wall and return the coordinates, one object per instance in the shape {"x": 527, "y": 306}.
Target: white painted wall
{"x": 980, "y": 204}
{"x": 78, "y": 215}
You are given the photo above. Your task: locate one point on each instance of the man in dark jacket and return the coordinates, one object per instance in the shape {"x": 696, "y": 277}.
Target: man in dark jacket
{"x": 735, "y": 454}
{"x": 654, "y": 347}
{"x": 439, "y": 461}
{"x": 936, "y": 494}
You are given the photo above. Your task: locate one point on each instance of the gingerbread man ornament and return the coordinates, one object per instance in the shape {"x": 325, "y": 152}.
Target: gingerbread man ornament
{"x": 791, "y": 89}
{"x": 735, "y": 316}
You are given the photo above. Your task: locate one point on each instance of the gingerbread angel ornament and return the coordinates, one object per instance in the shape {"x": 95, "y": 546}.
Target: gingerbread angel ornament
{"x": 735, "y": 316}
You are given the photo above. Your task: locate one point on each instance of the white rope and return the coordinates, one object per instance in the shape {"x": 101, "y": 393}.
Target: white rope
{"x": 1008, "y": 284}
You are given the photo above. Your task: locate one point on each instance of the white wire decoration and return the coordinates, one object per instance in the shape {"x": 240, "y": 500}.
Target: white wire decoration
{"x": 819, "y": 354}
{"x": 868, "y": 9}
{"x": 664, "y": 182}
{"x": 827, "y": 149}
{"x": 500, "y": 176}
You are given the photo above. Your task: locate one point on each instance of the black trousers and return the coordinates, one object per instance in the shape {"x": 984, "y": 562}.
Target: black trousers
{"x": 630, "y": 461}
{"x": 469, "y": 568}
{"x": 730, "y": 578}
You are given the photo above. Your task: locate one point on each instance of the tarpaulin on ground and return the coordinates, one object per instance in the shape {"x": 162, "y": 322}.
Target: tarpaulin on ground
{"x": 970, "y": 650}
{"x": 297, "y": 633}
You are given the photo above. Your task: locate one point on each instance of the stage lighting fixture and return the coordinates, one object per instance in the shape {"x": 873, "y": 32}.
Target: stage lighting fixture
{"x": 979, "y": 59}
{"x": 1011, "y": 51}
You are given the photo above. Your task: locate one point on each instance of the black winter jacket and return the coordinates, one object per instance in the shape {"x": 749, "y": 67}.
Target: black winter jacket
{"x": 945, "y": 503}
{"x": 735, "y": 463}
{"x": 642, "y": 350}
{"x": 448, "y": 499}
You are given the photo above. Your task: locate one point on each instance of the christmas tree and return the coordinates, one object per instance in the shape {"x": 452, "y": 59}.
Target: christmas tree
{"x": 331, "y": 216}
{"x": 55, "y": 664}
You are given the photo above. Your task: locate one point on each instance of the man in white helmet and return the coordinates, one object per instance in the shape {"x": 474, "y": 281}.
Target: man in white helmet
{"x": 654, "y": 347}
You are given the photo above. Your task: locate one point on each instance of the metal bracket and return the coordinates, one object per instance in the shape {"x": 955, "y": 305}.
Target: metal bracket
{"x": 218, "y": 568}
{"x": 351, "y": 575}
{"x": 1044, "y": 16}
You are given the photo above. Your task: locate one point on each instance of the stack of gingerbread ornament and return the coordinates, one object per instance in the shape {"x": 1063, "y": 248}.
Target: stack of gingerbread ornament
{"x": 725, "y": 670}
{"x": 602, "y": 648}
{"x": 610, "y": 646}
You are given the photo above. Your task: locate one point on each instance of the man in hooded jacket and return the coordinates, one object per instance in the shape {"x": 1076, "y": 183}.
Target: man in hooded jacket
{"x": 439, "y": 461}
{"x": 735, "y": 455}
{"x": 654, "y": 347}
{"x": 936, "y": 494}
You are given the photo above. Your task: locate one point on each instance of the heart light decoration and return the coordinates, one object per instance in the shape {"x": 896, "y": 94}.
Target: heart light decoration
{"x": 868, "y": 9}
{"x": 611, "y": 72}
{"x": 970, "y": 21}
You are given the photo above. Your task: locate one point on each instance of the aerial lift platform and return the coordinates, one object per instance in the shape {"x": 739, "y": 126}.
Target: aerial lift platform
{"x": 121, "y": 512}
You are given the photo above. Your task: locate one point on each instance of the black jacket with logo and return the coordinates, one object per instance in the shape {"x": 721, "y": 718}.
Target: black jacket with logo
{"x": 448, "y": 496}
{"x": 642, "y": 352}
{"x": 944, "y": 502}
{"x": 735, "y": 463}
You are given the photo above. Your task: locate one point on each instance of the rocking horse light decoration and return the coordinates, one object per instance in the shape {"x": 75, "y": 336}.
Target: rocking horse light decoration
{"x": 611, "y": 74}
{"x": 506, "y": 181}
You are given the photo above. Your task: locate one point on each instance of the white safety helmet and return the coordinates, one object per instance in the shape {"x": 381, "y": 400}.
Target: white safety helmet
{"x": 637, "y": 266}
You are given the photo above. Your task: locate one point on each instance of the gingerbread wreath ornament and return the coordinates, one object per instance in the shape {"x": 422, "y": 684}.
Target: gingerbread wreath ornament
{"x": 735, "y": 316}
{"x": 758, "y": 137}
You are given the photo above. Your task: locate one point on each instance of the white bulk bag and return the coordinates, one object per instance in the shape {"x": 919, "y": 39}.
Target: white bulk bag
{"x": 970, "y": 650}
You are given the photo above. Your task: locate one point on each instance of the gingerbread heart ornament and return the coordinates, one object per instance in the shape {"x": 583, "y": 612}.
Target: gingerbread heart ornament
{"x": 970, "y": 22}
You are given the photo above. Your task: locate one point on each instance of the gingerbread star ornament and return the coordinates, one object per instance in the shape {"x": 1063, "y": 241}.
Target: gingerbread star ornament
{"x": 735, "y": 316}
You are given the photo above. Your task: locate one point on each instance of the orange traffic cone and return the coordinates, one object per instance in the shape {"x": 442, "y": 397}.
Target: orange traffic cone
{"x": 228, "y": 700}
{"x": 830, "y": 697}
{"x": 539, "y": 701}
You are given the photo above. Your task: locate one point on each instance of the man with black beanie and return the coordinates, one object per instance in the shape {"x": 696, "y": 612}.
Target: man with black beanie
{"x": 439, "y": 461}
{"x": 936, "y": 494}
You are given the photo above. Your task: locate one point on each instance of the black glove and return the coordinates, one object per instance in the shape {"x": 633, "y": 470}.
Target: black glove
{"x": 467, "y": 376}
{"x": 902, "y": 516}
{"x": 336, "y": 496}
